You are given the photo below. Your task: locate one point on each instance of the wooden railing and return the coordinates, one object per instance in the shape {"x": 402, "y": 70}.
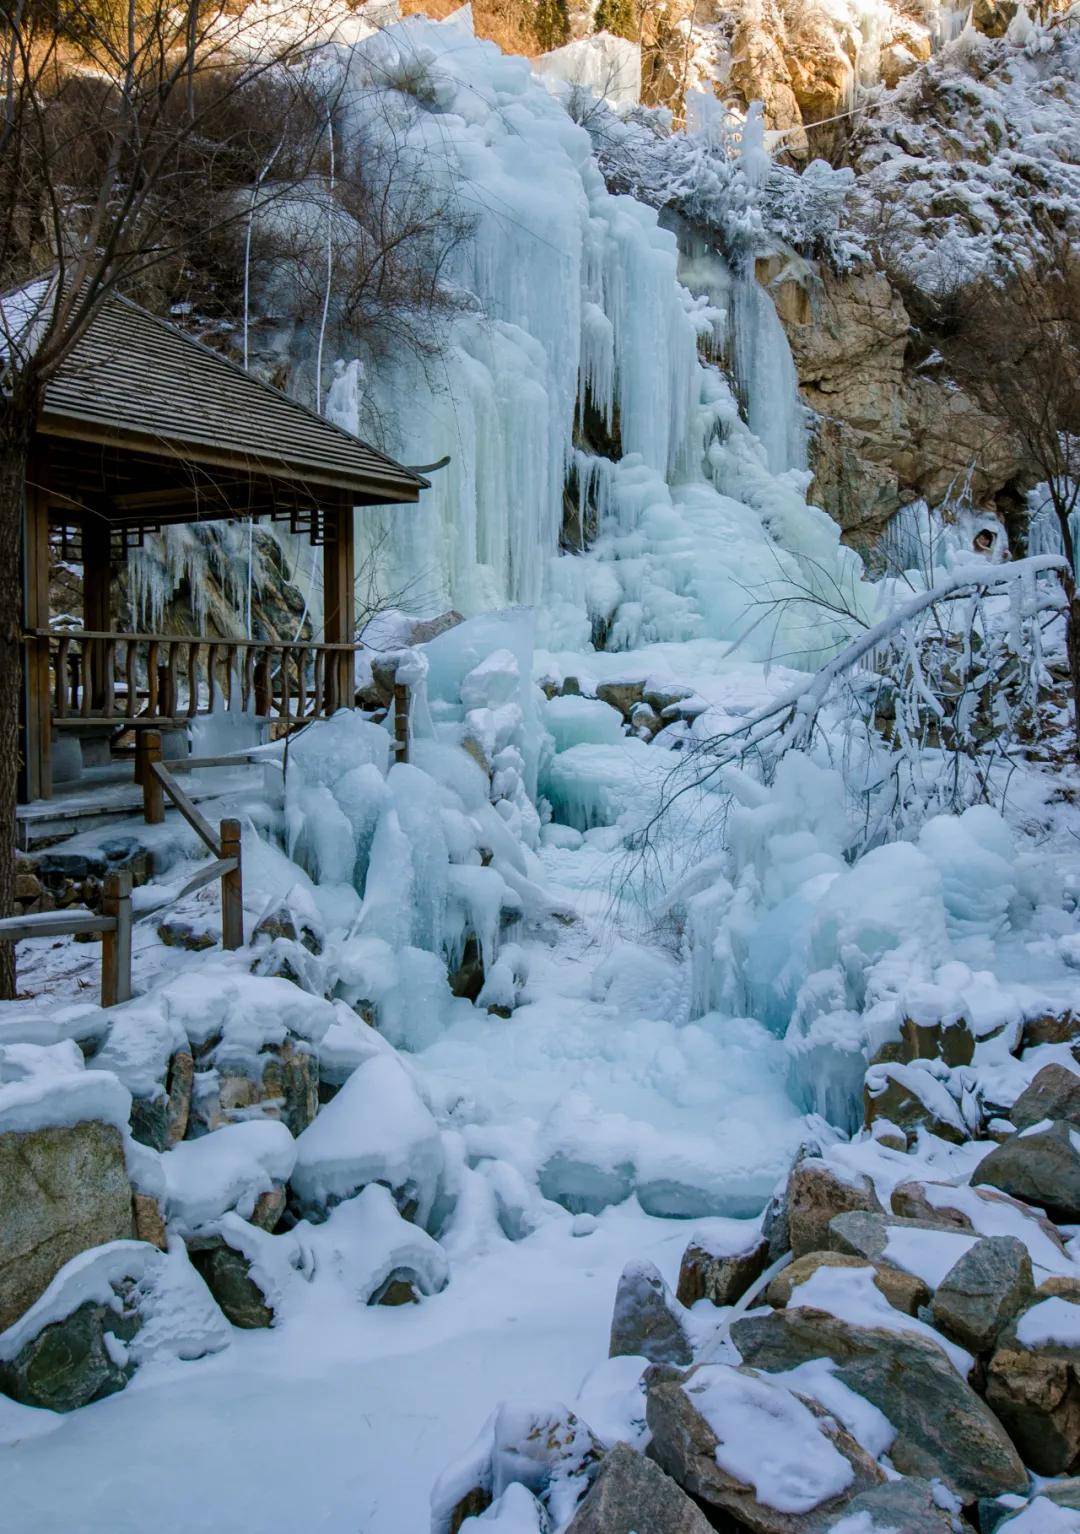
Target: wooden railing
{"x": 132, "y": 677}
{"x": 114, "y": 924}
{"x": 157, "y": 780}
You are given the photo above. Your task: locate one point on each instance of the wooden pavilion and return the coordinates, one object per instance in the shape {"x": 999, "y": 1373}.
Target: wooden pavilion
{"x": 144, "y": 427}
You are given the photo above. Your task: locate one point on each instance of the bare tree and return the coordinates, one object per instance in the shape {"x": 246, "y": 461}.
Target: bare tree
{"x": 1014, "y": 346}
{"x": 124, "y": 128}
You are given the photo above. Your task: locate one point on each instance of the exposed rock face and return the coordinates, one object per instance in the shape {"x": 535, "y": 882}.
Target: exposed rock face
{"x": 943, "y": 1428}
{"x": 646, "y": 1320}
{"x": 1040, "y": 1166}
{"x": 912, "y": 1099}
{"x": 632, "y": 1493}
{"x": 283, "y": 1082}
{"x": 909, "y": 1505}
{"x": 815, "y": 1193}
{"x": 161, "y": 1121}
{"x": 64, "y": 1190}
{"x": 982, "y": 1292}
{"x": 227, "y": 1274}
{"x": 886, "y": 435}
{"x": 705, "y": 1275}
{"x": 685, "y": 1444}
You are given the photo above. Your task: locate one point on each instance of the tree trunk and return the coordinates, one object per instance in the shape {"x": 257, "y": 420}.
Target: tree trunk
{"x": 1072, "y": 648}
{"x": 17, "y": 416}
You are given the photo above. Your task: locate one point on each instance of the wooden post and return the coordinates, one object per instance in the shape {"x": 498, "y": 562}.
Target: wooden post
{"x": 147, "y": 752}
{"x": 401, "y": 721}
{"x": 37, "y": 693}
{"x": 339, "y": 598}
{"x": 232, "y": 888}
{"x": 116, "y": 945}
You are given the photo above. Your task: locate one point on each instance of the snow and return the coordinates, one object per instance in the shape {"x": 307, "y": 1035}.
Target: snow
{"x": 1041, "y": 1516}
{"x": 1051, "y": 1323}
{"x": 929, "y": 1254}
{"x": 851, "y": 1295}
{"x": 604, "y": 65}
{"x": 864, "y": 1421}
{"x": 768, "y": 1439}
{"x": 376, "y": 1129}
{"x": 48, "y": 1087}
{"x": 228, "y": 1169}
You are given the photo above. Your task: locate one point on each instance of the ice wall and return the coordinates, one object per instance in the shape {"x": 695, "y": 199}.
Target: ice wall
{"x": 581, "y": 352}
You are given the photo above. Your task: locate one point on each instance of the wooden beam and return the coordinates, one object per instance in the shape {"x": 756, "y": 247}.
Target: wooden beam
{"x": 339, "y": 596}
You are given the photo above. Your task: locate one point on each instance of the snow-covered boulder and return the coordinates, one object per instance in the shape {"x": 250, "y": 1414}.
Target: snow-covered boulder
{"x": 1033, "y": 1380}
{"x": 63, "y": 1172}
{"x": 633, "y": 1492}
{"x": 647, "y": 1320}
{"x": 379, "y": 1257}
{"x": 230, "y": 1169}
{"x": 148, "y": 1051}
{"x": 747, "y": 1447}
{"x": 377, "y": 1129}
{"x": 107, "y": 1311}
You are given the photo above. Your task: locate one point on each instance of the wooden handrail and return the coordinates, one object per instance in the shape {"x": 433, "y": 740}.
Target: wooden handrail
{"x": 199, "y": 639}
{"x": 114, "y": 924}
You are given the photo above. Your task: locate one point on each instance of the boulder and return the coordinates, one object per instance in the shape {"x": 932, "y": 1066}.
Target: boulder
{"x": 749, "y": 1449}
{"x": 64, "y": 1189}
{"x": 107, "y": 1311}
{"x": 908, "y": 1506}
{"x": 982, "y": 1292}
{"x": 978, "y": 1210}
{"x": 913, "y": 1099}
{"x": 281, "y": 1081}
{"x": 624, "y": 696}
{"x": 632, "y": 1493}
{"x": 721, "y": 1277}
{"x": 1054, "y": 1093}
{"x": 227, "y": 1273}
{"x": 161, "y": 1120}
{"x": 950, "y": 1040}
{"x": 1033, "y": 1383}
{"x": 149, "y": 1053}
{"x": 148, "y": 1218}
{"x": 943, "y": 1429}
{"x": 646, "y": 1320}
{"x": 902, "y": 1290}
{"x": 76, "y": 1360}
{"x": 1050, "y": 1028}
{"x": 867, "y": 1235}
{"x": 815, "y": 1193}
{"x": 1041, "y": 1166}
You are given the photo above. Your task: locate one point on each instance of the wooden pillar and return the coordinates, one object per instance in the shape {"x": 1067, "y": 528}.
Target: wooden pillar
{"x": 232, "y": 887}
{"x": 147, "y": 752}
{"x": 97, "y": 606}
{"x": 116, "y": 945}
{"x": 37, "y": 699}
{"x": 339, "y": 596}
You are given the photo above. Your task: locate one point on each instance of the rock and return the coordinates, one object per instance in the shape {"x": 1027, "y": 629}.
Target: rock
{"x": 269, "y": 1207}
{"x": 867, "y": 1235}
{"x": 815, "y": 1193}
{"x": 1033, "y": 1383}
{"x": 969, "y": 1209}
{"x": 175, "y": 933}
{"x": 280, "y": 922}
{"x": 1051, "y": 1028}
{"x": 621, "y": 695}
{"x": 908, "y": 1506}
{"x": 281, "y": 1081}
{"x": 912, "y": 1099}
{"x": 160, "y": 1121}
{"x": 902, "y": 1290}
{"x": 1054, "y": 1093}
{"x": 632, "y": 1493}
{"x": 64, "y": 1190}
{"x": 148, "y": 1219}
{"x": 982, "y": 1292}
{"x": 646, "y": 1320}
{"x": 703, "y": 1423}
{"x": 74, "y": 1361}
{"x": 951, "y": 1041}
{"x": 721, "y": 1278}
{"x": 943, "y": 1429}
{"x": 226, "y": 1272}
{"x": 1040, "y": 1166}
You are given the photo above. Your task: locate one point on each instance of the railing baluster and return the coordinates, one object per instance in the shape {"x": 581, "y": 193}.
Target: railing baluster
{"x": 193, "y": 678}
{"x": 61, "y": 679}
{"x": 108, "y": 680}
{"x": 264, "y": 689}
{"x": 285, "y": 654}
{"x": 301, "y": 685}
{"x": 87, "y": 676}
{"x": 152, "y": 679}
{"x": 130, "y": 681}
{"x": 247, "y": 695}
{"x": 317, "y": 710}
{"x": 170, "y": 703}
{"x": 211, "y": 676}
